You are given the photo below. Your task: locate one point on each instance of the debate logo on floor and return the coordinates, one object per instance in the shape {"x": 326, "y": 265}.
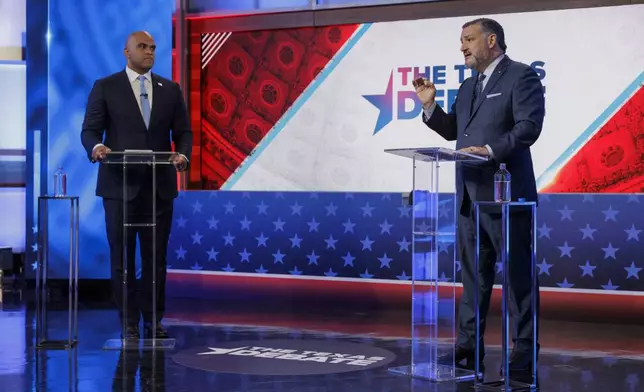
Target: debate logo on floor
{"x": 285, "y": 357}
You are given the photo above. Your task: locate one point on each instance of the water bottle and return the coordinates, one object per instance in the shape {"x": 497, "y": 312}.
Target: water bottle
{"x": 502, "y": 185}
{"x": 60, "y": 183}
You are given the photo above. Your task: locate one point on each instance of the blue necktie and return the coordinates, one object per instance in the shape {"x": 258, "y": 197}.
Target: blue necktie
{"x": 145, "y": 102}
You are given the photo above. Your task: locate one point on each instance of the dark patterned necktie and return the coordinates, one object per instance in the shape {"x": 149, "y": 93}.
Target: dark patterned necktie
{"x": 478, "y": 88}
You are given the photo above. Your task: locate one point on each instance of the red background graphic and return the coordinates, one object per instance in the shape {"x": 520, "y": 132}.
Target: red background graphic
{"x": 612, "y": 161}
{"x": 249, "y": 84}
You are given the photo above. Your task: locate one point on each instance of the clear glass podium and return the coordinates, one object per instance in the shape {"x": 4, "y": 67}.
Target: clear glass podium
{"x": 128, "y": 160}
{"x": 433, "y": 322}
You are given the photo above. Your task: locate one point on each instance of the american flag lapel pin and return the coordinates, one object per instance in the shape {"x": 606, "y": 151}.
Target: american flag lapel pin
{"x": 160, "y": 84}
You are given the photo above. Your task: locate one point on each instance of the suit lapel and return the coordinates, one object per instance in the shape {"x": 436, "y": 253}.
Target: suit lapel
{"x": 158, "y": 96}
{"x": 130, "y": 100}
{"x": 468, "y": 92}
{"x": 496, "y": 76}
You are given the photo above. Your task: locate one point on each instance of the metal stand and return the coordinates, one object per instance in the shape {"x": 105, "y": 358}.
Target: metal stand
{"x": 507, "y": 384}
{"x": 125, "y": 160}
{"x": 42, "y": 333}
{"x": 433, "y": 287}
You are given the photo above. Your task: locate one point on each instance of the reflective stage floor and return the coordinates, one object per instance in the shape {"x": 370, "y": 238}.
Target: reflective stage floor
{"x": 226, "y": 346}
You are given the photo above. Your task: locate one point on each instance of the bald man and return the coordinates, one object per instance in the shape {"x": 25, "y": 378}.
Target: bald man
{"x": 135, "y": 109}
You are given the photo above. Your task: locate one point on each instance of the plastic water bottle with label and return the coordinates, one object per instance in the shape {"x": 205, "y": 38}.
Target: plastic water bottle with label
{"x": 502, "y": 185}
{"x": 60, "y": 183}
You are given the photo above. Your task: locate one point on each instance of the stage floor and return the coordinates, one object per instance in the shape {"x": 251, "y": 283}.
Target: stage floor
{"x": 227, "y": 345}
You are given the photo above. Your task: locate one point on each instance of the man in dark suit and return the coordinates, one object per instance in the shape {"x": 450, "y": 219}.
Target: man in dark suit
{"x": 498, "y": 114}
{"x": 135, "y": 109}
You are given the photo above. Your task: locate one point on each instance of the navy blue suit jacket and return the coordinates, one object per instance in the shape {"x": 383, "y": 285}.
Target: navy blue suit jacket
{"x": 508, "y": 117}
{"x": 113, "y": 117}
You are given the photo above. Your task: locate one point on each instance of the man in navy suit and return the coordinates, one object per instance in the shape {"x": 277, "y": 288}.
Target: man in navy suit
{"x": 498, "y": 113}
{"x": 135, "y": 109}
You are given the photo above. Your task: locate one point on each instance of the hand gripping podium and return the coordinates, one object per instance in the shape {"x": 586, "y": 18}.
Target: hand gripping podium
{"x": 129, "y": 160}
{"x": 433, "y": 322}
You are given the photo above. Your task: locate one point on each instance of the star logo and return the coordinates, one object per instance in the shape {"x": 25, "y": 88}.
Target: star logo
{"x": 384, "y": 104}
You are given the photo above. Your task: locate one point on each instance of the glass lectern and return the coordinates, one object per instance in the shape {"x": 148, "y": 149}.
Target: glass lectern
{"x": 433, "y": 323}
{"x": 128, "y": 161}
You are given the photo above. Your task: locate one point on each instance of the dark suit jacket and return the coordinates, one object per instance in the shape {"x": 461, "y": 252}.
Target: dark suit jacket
{"x": 508, "y": 117}
{"x": 113, "y": 112}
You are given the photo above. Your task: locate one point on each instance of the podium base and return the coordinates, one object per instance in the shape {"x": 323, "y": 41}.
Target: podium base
{"x": 139, "y": 344}
{"x": 434, "y": 372}
{"x": 500, "y": 386}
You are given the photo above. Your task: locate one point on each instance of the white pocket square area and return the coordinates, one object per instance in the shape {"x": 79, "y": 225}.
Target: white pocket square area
{"x": 493, "y": 95}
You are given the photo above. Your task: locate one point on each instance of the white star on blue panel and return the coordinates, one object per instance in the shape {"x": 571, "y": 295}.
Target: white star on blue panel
{"x": 228, "y": 268}
{"x": 403, "y": 276}
{"x": 565, "y": 284}
{"x": 196, "y": 238}
{"x": 295, "y": 271}
{"x": 261, "y": 269}
{"x": 566, "y": 213}
{"x": 34, "y": 230}
{"x": 313, "y": 225}
{"x": 587, "y": 269}
{"x": 565, "y": 250}
{"x": 313, "y": 258}
{"x": 588, "y": 232}
{"x": 181, "y": 253}
{"x": 633, "y": 271}
{"x": 330, "y": 242}
{"x": 295, "y": 241}
{"x": 633, "y": 199}
{"x": 610, "y": 251}
{"x": 348, "y": 260}
{"x": 367, "y": 210}
{"x": 588, "y": 198}
{"x": 196, "y": 207}
{"x": 196, "y": 267}
{"x": 385, "y": 227}
{"x": 404, "y": 211}
{"x": 245, "y": 224}
{"x": 34, "y": 247}
{"x": 544, "y": 268}
{"x": 245, "y": 195}
{"x": 610, "y": 214}
{"x": 279, "y": 224}
{"x": 366, "y": 274}
{"x": 330, "y": 273}
{"x": 230, "y": 208}
{"x": 296, "y": 209}
{"x": 633, "y": 233}
{"x": 384, "y": 261}
{"x": 348, "y": 196}
{"x": 544, "y": 231}
{"x": 314, "y": 195}
{"x": 261, "y": 240}
{"x": 331, "y": 209}
{"x": 348, "y": 226}
{"x": 366, "y": 243}
{"x": 212, "y": 254}
{"x": 212, "y": 223}
{"x": 244, "y": 256}
{"x": 229, "y": 239}
{"x": 609, "y": 285}
{"x": 404, "y": 245}
{"x": 262, "y": 209}
{"x": 278, "y": 257}
{"x": 34, "y": 265}
{"x": 279, "y": 195}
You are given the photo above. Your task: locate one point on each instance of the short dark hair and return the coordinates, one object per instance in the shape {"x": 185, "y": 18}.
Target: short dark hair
{"x": 490, "y": 26}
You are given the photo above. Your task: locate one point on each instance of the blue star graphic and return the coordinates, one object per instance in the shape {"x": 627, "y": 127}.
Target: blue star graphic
{"x": 544, "y": 268}
{"x": 229, "y": 239}
{"x": 230, "y": 208}
{"x": 278, "y": 257}
{"x": 366, "y": 275}
{"x": 384, "y": 261}
{"x": 194, "y": 267}
{"x": 245, "y": 224}
{"x": 348, "y": 226}
{"x": 331, "y": 209}
{"x": 34, "y": 230}
{"x": 385, "y": 227}
{"x": 587, "y": 269}
{"x": 443, "y": 247}
{"x": 633, "y": 233}
{"x": 196, "y": 207}
{"x": 212, "y": 254}
{"x": 384, "y": 104}
{"x": 261, "y": 240}
{"x": 366, "y": 243}
{"x": 443, "y": 278}
{"x": 610, "y": 251}
{"x": 404, "y": 211}
{"x": 34, "y": 247}
{"x": 588, "y": 198}
{"x": 295, "y": 241}
{"x": 245, "y": 195}
{"x": 565, "y": 250}
{"x": 279, "y": 224}
{"x": 181, "y": 222}
{"x": 609, "y": 285}
{"x": 610, "y": 214}
{"x": 565, "y": 284}
{"x": 348, "y": 196}
{"x": 588, "y": 232}
{"x": 213, "y": 223}
{"x": 279, "y": 195}
{"x": 313, "y": 258}
{"x": 544, "y": 231}
{"x": 196, "y": 238}
{"x": 403, "y": 276}
{"x": 244, "y": 256}
{"x": 314, "y": 195}
{"x": 228, "y": 268}
{"x": 330, "y": 242}
{"x": 404, "y": 245}
{"x": 34, "y": 265}
{"x": 367, "y": 210}
{"x": 313, "y": 225}
{"x": 261, "y": 269}
{"x": 566, "y": 213}
{"x": 262, "y": 209}
{"x": 633, "y": 199}
{"x": 444, "y": 209}
{"x": 295, "y": 271}
{"x": 499, "y": 267}
{"x": 330, "y": 273}
{"x": 181, "y": 253}
{"x": 633, "y": 271}
{"x": 348, "y": 260}
{"x": 296, "y": 209}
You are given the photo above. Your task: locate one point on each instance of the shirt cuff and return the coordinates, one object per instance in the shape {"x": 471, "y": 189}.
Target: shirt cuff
{"x": 489, "y": 150}
{"x": 184, "y": 157}
{"x": 99, "y": 144}
{"x": 428, "y": 112}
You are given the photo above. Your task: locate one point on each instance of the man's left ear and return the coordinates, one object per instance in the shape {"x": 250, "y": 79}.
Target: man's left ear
{"x": 491, "y": 39}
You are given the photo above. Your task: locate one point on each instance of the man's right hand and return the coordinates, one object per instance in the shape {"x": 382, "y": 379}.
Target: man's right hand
{"x": 425, "y": 90}
{"x": 99, "y": 153}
